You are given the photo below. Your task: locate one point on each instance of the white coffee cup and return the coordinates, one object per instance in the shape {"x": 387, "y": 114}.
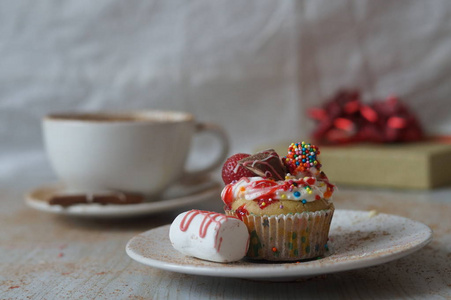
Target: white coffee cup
{"x": 140, "y": 152}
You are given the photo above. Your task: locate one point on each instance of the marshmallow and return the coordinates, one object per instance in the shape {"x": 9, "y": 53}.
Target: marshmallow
{"x": 209, "y": 236}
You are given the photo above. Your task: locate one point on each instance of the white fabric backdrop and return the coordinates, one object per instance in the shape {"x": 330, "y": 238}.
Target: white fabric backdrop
{"x": 383, "y": 47}
{"x": 250, "y": 66}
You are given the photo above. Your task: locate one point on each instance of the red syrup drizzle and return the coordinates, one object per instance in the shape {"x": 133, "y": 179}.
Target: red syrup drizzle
{"x": 269, "y": 197}
{"x": 311, "y": 180}
{"x": 241, "y": 212}
{"x": 265, "y": 200}
{"x": 209, "y": 218}
{"x": 227, "y": 195}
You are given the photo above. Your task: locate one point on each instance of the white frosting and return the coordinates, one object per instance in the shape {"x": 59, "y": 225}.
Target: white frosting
{"x": 251, "y": 188}
{"x": 209, "y": 236}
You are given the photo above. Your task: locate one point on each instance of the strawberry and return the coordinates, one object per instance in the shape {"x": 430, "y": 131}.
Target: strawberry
{"x": 231, "y": 172}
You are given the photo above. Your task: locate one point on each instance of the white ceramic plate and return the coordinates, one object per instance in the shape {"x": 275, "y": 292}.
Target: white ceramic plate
{"x": 358, "y": 239}
{"x": 177, "y": 196}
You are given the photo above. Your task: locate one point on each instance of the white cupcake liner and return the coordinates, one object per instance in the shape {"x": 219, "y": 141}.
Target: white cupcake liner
{"x": 288, "y": 237}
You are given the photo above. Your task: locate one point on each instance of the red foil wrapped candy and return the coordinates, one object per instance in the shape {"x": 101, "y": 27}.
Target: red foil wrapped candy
{"x": 345, "y": 119}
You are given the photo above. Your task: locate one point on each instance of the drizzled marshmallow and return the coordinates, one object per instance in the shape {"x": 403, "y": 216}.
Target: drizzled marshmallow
{"x": 209, "y": 236}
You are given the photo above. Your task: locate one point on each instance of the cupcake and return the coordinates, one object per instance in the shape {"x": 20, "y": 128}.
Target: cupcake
{"x": 284, "y": 202}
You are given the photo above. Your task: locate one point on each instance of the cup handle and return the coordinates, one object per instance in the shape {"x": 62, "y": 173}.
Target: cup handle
{"x": 222, "y": 136}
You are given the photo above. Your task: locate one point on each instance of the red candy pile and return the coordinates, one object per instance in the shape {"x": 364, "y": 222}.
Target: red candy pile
{"x": 345, "y": 119}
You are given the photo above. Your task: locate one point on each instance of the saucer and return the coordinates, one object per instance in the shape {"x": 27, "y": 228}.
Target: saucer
{"x": 358, "y": 239}
{"x": 177, "y": 196}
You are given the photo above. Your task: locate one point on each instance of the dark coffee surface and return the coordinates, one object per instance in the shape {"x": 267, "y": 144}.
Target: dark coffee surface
{"x": 149, "y": 116}
{"x": 99, "y": 118}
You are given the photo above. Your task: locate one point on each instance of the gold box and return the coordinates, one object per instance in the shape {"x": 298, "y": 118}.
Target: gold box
{"x": 424, "y": 165}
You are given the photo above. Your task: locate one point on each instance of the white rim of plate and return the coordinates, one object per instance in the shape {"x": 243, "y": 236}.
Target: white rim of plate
{"x": 334, "y": 262}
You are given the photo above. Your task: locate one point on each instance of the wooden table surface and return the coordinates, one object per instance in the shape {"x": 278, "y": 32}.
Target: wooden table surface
{"x": 44, "y": 256}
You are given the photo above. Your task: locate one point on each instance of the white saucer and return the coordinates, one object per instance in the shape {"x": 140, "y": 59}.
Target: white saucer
{"x": 177, "y": 196}
{"x": 358, "y": 239}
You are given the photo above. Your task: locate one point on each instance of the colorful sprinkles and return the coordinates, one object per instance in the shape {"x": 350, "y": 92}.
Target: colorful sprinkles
{"x": 301, "y": 157}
